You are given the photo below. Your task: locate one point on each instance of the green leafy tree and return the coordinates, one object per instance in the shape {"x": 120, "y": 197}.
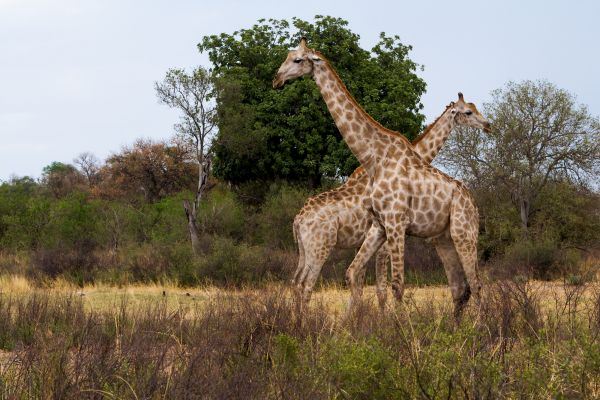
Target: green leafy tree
{"x": 541, "y": 135}
{"x": 266, "y": 134}
{"x": 23, "y": 213}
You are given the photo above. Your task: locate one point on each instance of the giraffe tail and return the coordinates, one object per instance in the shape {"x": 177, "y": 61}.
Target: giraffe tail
{"x": 295, "y": 232}
{"x": 298, "y": 242}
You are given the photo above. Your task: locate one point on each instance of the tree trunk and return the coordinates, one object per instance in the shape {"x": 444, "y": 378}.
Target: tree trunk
{"x": 524, "y": 211}
{"x": 191, "y": 209}
{"x": 190, "y": 213}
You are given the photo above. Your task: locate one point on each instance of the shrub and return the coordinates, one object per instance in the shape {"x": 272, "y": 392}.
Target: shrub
{"x": 165, "y": 220}
{"x": 361, "y": 369}
{"x": 73, "y": 223}
{"x": 154, "y": 262}
{"x": 277, "y": 215}
{"x": 23, "y": 226}
{"x": 221, "y": 214}
{"x": 233, "y": 263}
{"x": 77, "y": 264}
{"x": 535, "y": 257}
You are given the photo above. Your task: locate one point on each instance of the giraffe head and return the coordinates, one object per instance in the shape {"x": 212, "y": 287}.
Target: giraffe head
{"x": 466, "y": 114}
{"x": 299, "y": 62}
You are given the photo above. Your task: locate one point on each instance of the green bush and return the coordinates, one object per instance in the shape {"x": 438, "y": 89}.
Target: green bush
{"x": 537, "y": 257}
{"x": 220, "y": 213}
{"x": 23, "y": 226}
{"x": 233, "y": 263}
{"x": 73, "y": 223}
{"x": 361, "y": 369}
{"x": 277, "y": 215}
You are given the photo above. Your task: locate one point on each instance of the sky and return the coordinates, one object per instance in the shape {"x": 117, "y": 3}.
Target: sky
{"x": 78, "y": 75}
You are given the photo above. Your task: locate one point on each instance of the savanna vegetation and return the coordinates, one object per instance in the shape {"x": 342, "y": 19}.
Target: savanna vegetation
{"x": 244, "y": 158}
{"x": 212, "y": 205}
{"x": 528, "y": 341}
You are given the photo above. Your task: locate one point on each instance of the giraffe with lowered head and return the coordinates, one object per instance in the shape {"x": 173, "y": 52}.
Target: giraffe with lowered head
{"x": 337, "y": 218}
{"x": 407, "y": 195}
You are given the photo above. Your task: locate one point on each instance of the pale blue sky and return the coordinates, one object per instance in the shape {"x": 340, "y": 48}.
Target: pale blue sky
{"x": 77, "y": 75}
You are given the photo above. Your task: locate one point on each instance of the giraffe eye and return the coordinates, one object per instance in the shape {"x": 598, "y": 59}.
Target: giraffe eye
{"x": 297, "y": 60}
{"x": 469, "y": 112}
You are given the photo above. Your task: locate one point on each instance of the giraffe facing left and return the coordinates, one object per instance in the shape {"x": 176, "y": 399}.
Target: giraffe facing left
{"x": 407, "y": 195}
{"x": 337, "y": 218}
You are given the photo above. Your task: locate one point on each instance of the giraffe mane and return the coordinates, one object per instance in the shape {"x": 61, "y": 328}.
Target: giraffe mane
{"x": 429, "y": 127}
{"x": 358, "y": 171}
{"x": 353, "y": 100}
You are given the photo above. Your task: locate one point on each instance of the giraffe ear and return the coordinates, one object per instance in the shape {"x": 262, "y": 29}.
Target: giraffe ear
{"x": 315, "y": 57}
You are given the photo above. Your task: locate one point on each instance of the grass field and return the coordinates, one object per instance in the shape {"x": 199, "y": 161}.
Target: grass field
{"x": 102, "y": 297}
{"x": 528, "y": 340}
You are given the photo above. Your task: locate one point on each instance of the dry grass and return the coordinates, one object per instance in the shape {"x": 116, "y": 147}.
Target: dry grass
{"x": 103, "y": 297}
{"x": 60, "y": 341}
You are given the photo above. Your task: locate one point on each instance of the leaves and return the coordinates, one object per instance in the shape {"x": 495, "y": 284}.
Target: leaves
{"x": 540, "y": 135}
{"x": 266, "y": 134}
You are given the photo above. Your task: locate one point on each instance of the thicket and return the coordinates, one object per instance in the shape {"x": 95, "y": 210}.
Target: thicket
{"x": 86, "y": 236}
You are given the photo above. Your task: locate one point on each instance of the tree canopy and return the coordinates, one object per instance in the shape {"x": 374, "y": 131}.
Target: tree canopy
{"x": 540, "y": 135}
{"x": 148, "y": 170}
{"x": 266, "y": 134}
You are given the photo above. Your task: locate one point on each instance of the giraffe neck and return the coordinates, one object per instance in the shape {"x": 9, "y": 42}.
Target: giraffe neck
{"x": 429, "y": 143}
{"x": 359, "y": 129}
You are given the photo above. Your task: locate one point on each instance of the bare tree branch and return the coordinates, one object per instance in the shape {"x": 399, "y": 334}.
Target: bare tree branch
{"x": 192, "y": 94}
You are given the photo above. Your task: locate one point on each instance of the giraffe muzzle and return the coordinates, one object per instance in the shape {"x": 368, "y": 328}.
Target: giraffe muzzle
{"x": 277, "y": 82}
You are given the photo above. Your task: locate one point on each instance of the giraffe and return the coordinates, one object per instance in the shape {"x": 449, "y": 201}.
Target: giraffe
{"x": 336, "y": 218}
{"x": 407, "y": 195}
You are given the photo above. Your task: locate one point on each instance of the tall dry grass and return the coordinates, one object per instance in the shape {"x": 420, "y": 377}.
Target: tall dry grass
{"x": 527, "y": 339}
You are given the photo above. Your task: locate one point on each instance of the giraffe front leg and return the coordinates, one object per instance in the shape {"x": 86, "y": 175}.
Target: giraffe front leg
{"x": 395, "y": 230}
{"x": 373, "y": 241}
{"x": 381, "y": 260}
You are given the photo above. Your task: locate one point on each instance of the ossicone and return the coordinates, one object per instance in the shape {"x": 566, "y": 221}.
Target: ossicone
{"x": 303, "y": 43}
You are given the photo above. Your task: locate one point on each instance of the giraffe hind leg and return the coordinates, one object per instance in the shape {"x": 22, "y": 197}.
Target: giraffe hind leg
{"x": 312, "y": 269}
{"x": 301, "y": 254}
{"x": 464, "y": 230}
{"x": 315, "y": 253}
{"x": 455, "y": 274}
{"x": 374, "y": 239}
